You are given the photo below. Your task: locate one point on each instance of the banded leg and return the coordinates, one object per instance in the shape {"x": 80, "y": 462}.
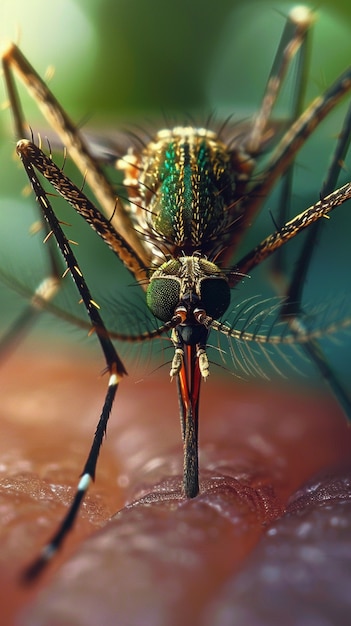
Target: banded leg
{"x": 47, "y": 289}
{"x": 72, "y": 139}
{"x": 297, "y": 106}
{"x": 285, "y": 152}
{"x": 304, "y": 220}
{"x": 293, "y": 140}
{"x": 292, "y": 310}
{"x": 14, "y": 62}
{"x": 294, "y": 40}
{"x": 83, "y": 206}
{"x": 114, "y": 365}
{"x": 38, "y": 300}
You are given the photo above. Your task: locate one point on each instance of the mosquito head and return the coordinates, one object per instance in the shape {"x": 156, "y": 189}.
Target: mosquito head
{"x": 191, "y": 288}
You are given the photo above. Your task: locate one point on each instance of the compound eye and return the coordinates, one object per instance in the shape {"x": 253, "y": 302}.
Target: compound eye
{"x": 162, "y": 297}
{"x": 215, "y": 296}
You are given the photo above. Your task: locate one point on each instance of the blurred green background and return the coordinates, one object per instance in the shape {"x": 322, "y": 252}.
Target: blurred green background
{"x": 117, "y": 62}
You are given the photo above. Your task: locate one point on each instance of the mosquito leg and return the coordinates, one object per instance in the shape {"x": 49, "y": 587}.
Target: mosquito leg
{"x": 293, "y": 42}
{"x": 43, "y": 294}
{"x": 297, "y": 105}
{"x": 31, "y": 154}
{"x": 320, "y": 209}
{"x": 292, "y": 310}
{"x": 21, "y": 128}
{"x": 309, "y": 218}
{"x": 115, "y": 368}
{"x": 293, "y": 39}
{"x": 297, "y": 135}
{"x": 71, "y": 138}
{"x": 286, "y": 151}
{"x": 330, "y": 183}
{"x": 50, "y": 285}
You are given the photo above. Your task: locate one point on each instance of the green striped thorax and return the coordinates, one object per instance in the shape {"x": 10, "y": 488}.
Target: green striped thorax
{"x": 181, "y": 189}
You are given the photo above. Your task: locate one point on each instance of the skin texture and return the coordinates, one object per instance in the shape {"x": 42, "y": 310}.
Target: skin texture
{"x": 256, "y": 547}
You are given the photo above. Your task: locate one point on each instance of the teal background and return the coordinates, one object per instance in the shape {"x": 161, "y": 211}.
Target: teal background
{"x": 119, "y": 62}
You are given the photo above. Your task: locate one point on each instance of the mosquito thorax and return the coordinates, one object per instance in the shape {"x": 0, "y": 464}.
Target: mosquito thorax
{"x": 181, "y": 189}
{"x": 191, "y": 284}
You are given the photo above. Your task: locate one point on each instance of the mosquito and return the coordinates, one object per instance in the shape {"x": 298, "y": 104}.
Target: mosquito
{"x": 192, "y": 195}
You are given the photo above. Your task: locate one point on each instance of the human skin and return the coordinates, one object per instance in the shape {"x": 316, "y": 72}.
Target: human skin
{"x": 232, "y": 555}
